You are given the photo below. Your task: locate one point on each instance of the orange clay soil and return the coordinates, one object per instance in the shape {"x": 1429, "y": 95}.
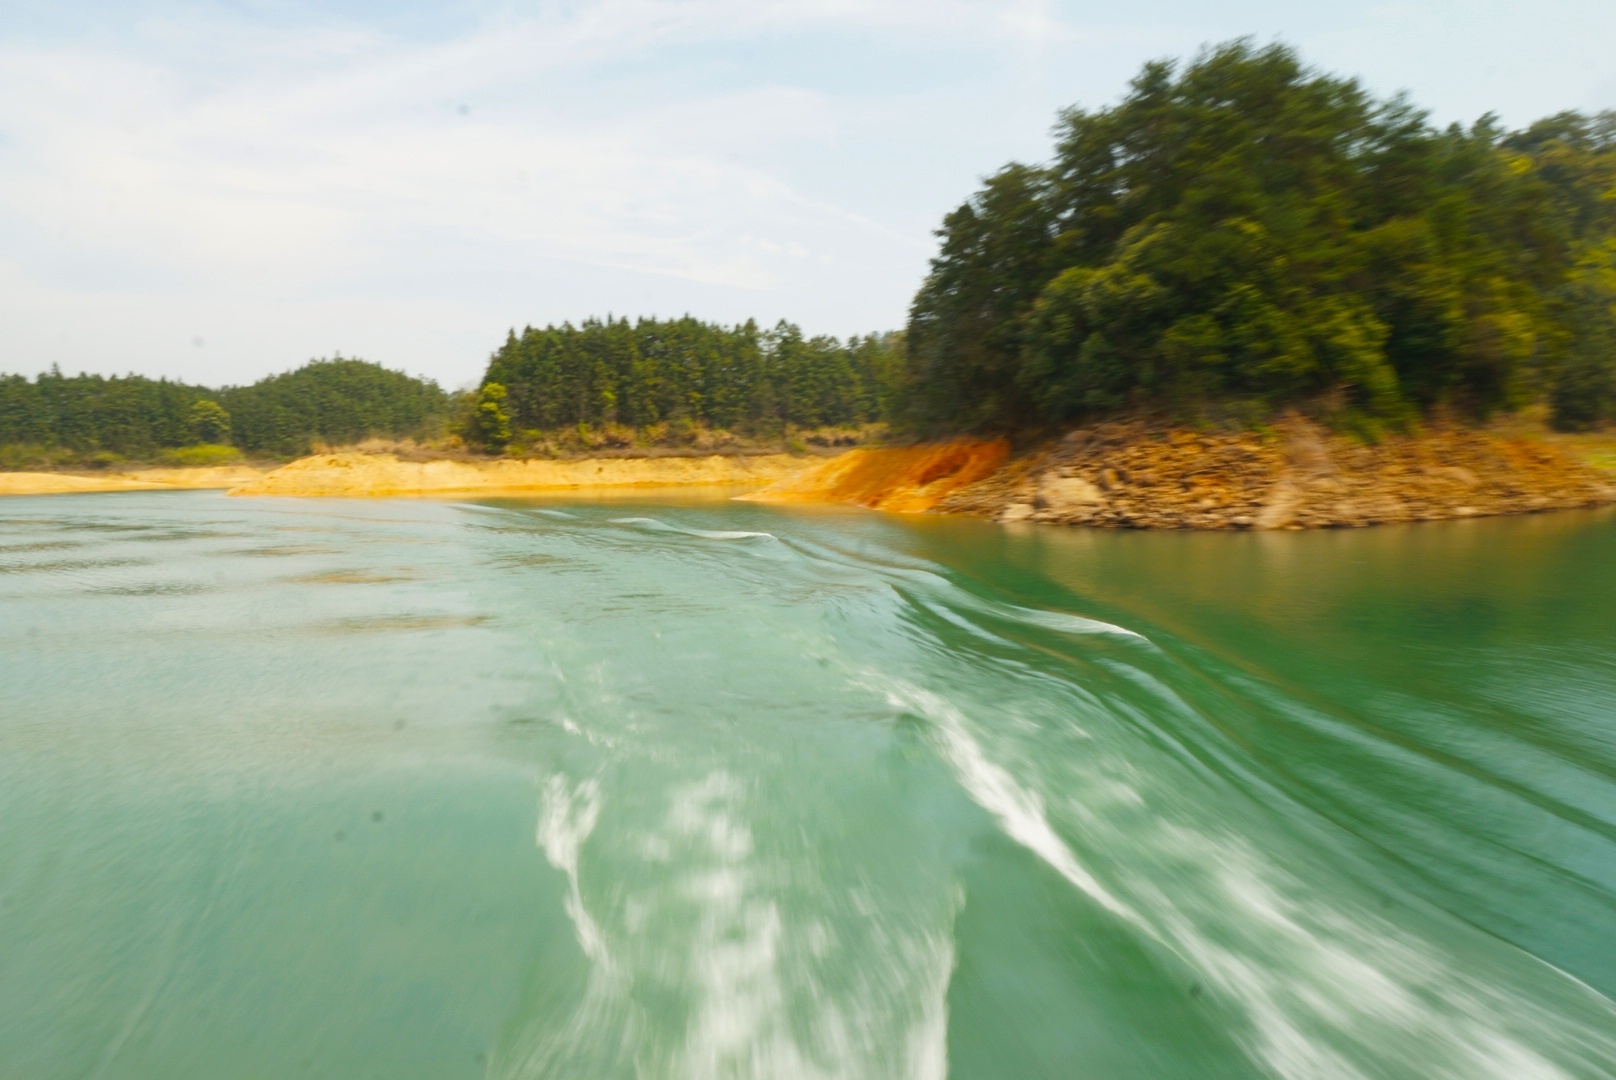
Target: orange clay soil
{"x": 903, "y": 479}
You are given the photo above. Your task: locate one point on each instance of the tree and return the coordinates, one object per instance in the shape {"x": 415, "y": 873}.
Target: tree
{"x": 1243, "y": 226}
{"x": 210, "y": 423}
{"x": 491, "y": 423}
{"x": 654, "y": 371}
{"x": 333, "y": 401}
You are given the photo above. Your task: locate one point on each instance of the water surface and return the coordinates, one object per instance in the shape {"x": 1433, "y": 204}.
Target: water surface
{"x": 681, "y": 788}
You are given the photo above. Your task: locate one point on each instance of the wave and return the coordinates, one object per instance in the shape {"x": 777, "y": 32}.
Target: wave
{"x": 1019, "y": 811}
{"x": 654, "y": 525}
{"x": 712, "y": 916}
{"x": 1328, "y": 989}
{"x": 568, "y": 817}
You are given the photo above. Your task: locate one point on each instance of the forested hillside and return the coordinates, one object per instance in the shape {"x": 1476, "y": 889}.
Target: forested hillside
{"x": 653, "y": 371}
{"x": 332, "y": 401}
{"x": 1243, "y": 228}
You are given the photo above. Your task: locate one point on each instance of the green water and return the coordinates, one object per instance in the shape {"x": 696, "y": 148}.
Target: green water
{"x": 707, "y": 789}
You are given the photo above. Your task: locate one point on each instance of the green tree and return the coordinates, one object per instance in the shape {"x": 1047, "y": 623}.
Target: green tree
{"x": 491, "y": 423}
{"x": 1574, "y": 157}
{"x": 651, "y": 371}
{"x": 1245, "y": 226}
{"x": 335, "y": 401}
{"x": 210, "y": 423}
{"x": 332, "y": 401}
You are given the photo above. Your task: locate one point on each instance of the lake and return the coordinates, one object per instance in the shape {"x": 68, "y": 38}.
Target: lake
{"x": 674, "y": 786}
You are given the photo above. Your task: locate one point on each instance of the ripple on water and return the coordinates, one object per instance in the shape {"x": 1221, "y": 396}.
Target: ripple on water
{"x": 154, "y": 588}
{"x": 69, "y": 566}
{"x": 374, "y": 624}
{"x": 353, "y": 577}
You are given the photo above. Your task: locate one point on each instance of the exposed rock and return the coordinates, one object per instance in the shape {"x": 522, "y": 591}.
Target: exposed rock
{"x": 1280, "y": 506}
{"x": 1060, "y": 491}
{"x": 1017, "y": 511}
{"x": 1455, "y": 472}
{"x": 1131, "y": 475}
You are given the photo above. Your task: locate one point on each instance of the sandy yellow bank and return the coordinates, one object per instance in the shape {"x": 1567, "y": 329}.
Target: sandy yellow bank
{"x": 359, "y": 475}
{"x": 50, "y": 483}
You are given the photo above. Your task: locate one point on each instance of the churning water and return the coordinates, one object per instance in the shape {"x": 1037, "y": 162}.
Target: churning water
{"x": 645, "y": 788}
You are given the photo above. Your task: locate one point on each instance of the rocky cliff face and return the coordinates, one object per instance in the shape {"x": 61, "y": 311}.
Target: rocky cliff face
{"x": 1132, "y": 475}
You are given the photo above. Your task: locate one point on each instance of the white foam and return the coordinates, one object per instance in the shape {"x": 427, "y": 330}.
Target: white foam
{"x": 568, "y": 817}
{"x": 1059, "y": 621}
{"x": 1071, "y": 624}
{"x": 654, "y": 525}
{"x": 927, "y": 1039}
{"x": 710, "y": 921}
{"x": 1329, "y": 993}
{"x": 738, "y": 1025}
{"x": 1339, "y": 996}
{"x": 1020, "y": 812}
{"x": 729, "y": 534}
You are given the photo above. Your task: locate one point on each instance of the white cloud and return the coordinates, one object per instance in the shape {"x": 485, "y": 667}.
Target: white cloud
{"x": 222, "y": 162}
{"x": 306, "y": 177}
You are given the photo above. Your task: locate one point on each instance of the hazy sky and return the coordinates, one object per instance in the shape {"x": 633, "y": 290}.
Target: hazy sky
{"x": 216, "y": 191}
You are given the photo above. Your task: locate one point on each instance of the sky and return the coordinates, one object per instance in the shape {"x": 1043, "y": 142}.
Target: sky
{"x": 216, "y": 191}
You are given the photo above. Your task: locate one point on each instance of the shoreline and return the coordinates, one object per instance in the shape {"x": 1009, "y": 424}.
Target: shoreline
{"x": 1297, "y": 475}
{"x": 1126, "y": 474}
{"x": 362, "y": 475}
{"x": 195, "y": 478}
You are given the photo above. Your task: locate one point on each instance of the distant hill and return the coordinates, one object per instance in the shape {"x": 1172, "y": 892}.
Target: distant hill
{"x": 56, "y": 418}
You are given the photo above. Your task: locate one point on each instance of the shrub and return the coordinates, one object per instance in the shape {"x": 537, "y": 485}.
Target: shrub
{"x": 204, "y": 456}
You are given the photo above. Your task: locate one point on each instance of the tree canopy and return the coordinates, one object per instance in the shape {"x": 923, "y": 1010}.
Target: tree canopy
{"x": 612, "y": 371}
{"x": 1244, "y": 226}
{"x": 333, "y": 401}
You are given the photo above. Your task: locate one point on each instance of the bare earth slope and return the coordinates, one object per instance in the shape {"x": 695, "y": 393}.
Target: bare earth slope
{"x": 903, "y": 479}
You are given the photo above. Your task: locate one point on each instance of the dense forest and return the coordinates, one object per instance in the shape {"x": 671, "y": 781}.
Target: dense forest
{"x": 1245, "y": 229}
{"x": 57, "y": 417}
{"x": 652, "y": 371}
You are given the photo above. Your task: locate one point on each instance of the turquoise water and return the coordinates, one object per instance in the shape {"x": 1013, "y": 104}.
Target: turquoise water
{"x": 682, "y": 788}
